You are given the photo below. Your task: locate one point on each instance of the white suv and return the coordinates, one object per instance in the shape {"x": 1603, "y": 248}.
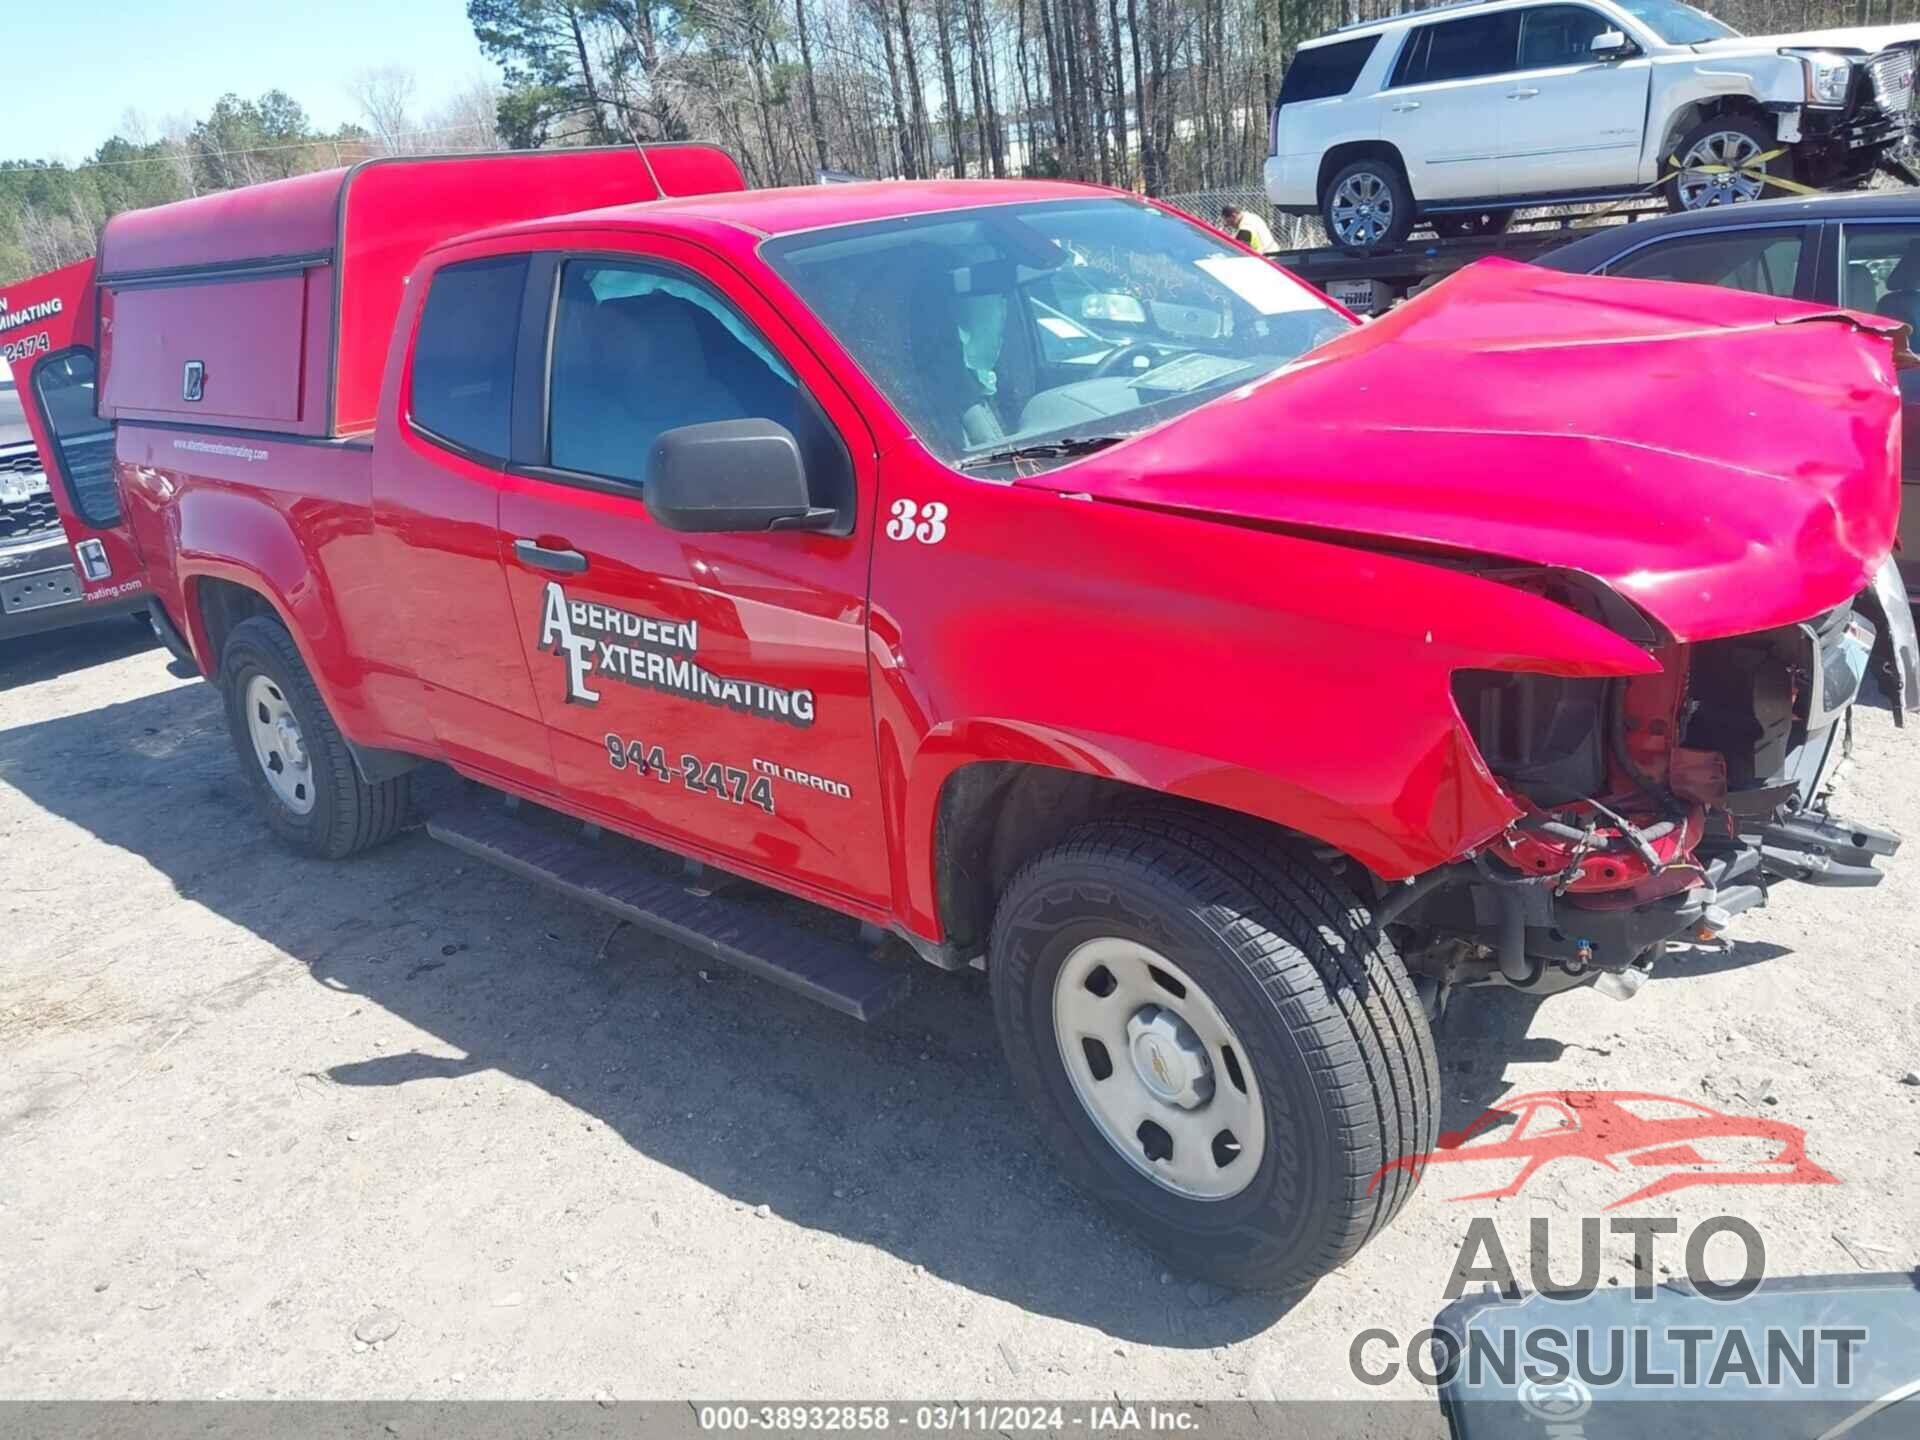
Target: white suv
{"x": 1460, "y": 113}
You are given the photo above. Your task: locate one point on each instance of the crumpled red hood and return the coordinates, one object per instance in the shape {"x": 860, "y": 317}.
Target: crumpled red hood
{"x": 1727, "y": 461}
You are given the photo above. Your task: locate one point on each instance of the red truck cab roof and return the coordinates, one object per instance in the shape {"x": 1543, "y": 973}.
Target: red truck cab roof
{"x": 313, "y": 269}
{"x": 765, "y": 213}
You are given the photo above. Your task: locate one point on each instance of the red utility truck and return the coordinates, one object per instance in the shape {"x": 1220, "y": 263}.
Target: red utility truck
{"x": 1034, "y": 580}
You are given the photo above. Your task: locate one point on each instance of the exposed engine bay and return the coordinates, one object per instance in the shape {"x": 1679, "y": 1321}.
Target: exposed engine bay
{"x": 1654, "y": 808}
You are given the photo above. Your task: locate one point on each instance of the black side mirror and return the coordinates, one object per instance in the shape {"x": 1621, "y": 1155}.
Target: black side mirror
{"x": 731, "y": 475}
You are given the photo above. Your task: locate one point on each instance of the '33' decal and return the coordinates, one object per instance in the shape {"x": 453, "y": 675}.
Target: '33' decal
{"x": 925, "y": 523}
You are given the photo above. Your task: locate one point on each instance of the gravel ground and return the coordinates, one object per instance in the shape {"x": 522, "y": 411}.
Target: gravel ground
{"x": 406, "y": 1127}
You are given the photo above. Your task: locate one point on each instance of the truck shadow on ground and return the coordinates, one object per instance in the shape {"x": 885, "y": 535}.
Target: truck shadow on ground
{"x": 32, "y": 658}
{"x": 903, "y": 1134}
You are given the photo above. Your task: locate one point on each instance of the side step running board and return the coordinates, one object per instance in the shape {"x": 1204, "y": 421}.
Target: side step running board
{"x": 844, "y": 975}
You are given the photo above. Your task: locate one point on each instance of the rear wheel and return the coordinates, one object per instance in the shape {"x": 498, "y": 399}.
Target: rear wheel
{"x": 1367, "y": 204}
{"x": 1719, "y": 163}
{"x": 1217, "y": 1044}
{"x": 298, "y": 763}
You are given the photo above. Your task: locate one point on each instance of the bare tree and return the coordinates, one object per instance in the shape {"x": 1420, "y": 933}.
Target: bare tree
{"x": 470, "y": 119}
{"x": 384, "y": 94}
{"x": 175, "y": 131}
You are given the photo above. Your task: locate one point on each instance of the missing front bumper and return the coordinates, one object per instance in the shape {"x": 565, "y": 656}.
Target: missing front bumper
{"x": 1822, "y": 850}
{"x": 1518, "y": 928}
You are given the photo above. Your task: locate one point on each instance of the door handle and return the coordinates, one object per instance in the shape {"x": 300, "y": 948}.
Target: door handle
{"x": 532, "y": 552}
{"x": 1526, "y": 93}
{"x": 1407, "y": 105}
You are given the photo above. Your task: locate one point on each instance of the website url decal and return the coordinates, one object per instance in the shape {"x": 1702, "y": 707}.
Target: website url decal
{"x": 212, "y": 447}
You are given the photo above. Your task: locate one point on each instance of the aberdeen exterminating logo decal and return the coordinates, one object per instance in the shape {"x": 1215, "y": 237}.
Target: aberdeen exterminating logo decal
{"x": 605, "y": 642}
{"x": 12, "y": 319}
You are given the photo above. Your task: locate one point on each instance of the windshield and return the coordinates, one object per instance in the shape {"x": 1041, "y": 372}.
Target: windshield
{"x": 1014, "y": 326}
{"x": 1678, "y": 24}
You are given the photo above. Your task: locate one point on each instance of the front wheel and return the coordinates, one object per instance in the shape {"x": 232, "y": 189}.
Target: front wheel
{"x": 1725, "y": 161}
{"x": 296, "y": 759}
{"x": 1217, "y": 1043}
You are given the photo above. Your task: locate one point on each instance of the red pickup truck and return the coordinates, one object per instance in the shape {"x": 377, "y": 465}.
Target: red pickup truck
{"x": 1032, "y": 579}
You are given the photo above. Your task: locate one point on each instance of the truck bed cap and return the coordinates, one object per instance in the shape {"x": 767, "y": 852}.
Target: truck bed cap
{"x": 317, "y": 266}
{"x": 299, "y": 216}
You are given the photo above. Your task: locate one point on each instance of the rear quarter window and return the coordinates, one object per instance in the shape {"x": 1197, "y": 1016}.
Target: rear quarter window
{"x": 1326, "y": 70}
{"x": 462, "y": 386}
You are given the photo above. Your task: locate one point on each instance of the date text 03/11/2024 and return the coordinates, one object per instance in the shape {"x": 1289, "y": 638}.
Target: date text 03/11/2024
{"x": 985, "y": 1418}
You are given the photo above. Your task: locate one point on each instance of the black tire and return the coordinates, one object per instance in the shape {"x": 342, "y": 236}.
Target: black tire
{"x": 1472, "y": 223}
{"x": 1320, "y": 1003}
{"x": 1756, "y": 132}
{"x": 348, "y": 815}
{"x": 1386, "y": 178}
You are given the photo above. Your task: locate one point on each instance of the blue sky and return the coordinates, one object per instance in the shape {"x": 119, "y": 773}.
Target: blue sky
{"x": 82, "y": 63}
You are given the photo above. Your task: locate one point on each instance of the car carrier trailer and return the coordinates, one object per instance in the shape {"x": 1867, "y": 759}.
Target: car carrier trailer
{"x": 1370, "y": 283}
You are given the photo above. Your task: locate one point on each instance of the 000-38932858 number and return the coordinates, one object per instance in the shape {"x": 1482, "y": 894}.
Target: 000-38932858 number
{"x": 778, "y": 1418}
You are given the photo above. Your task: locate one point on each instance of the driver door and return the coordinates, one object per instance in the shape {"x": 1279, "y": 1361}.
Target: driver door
{"x": 708, "y": 689}
{"x": 1577, "y": 122}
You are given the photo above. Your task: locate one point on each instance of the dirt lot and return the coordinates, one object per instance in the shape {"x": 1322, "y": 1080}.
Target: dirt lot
{"x": 250, "y": 1103}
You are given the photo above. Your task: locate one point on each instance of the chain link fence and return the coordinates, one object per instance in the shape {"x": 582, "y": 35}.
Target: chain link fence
{"x": 1290, "y": 232}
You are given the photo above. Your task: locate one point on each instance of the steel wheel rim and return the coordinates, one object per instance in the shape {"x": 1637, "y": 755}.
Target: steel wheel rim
{"x": 1731, "y": 148}
{"x": 278, "y": 744}
{"x": 1362, "y": 209}
{"x": 1202, "y": 1097}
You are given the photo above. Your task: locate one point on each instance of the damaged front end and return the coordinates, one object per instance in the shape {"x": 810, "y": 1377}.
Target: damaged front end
{"x": 1654, "y": 808}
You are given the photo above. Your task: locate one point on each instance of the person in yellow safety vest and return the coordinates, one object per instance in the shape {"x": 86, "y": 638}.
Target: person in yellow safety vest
{"x": 1249, "y": 229}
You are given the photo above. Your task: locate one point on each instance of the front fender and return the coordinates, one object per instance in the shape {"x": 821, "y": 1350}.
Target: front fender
{"x": 1684, "y": 89}
{"x": 1298, "y": 680}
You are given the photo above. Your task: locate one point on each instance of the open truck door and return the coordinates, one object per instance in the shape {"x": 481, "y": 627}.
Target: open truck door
{"x": 49, "y": 339}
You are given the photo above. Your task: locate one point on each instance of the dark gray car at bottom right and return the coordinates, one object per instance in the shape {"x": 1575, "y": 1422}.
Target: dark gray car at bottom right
{"x": 1860, "y": 251}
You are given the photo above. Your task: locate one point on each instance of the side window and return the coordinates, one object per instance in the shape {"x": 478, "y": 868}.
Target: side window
{"x": 65, "y": 387}
{"x": 1763, "y": 261}
{"x": 1325, "y": 70}
{"x": 1556, "y": 35}
{"x": 641, "y": 349}
{"x": 1880, "y": 270}
{"x": 1460, "y": 50}
{"x": 463, "y": 355}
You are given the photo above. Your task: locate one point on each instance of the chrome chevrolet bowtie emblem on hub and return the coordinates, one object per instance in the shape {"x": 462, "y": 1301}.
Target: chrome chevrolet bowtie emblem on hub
{"x": 1169, "y": 1057}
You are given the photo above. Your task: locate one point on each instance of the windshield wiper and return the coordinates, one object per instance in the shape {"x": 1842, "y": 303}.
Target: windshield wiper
{"x": 1049, "y": 450}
